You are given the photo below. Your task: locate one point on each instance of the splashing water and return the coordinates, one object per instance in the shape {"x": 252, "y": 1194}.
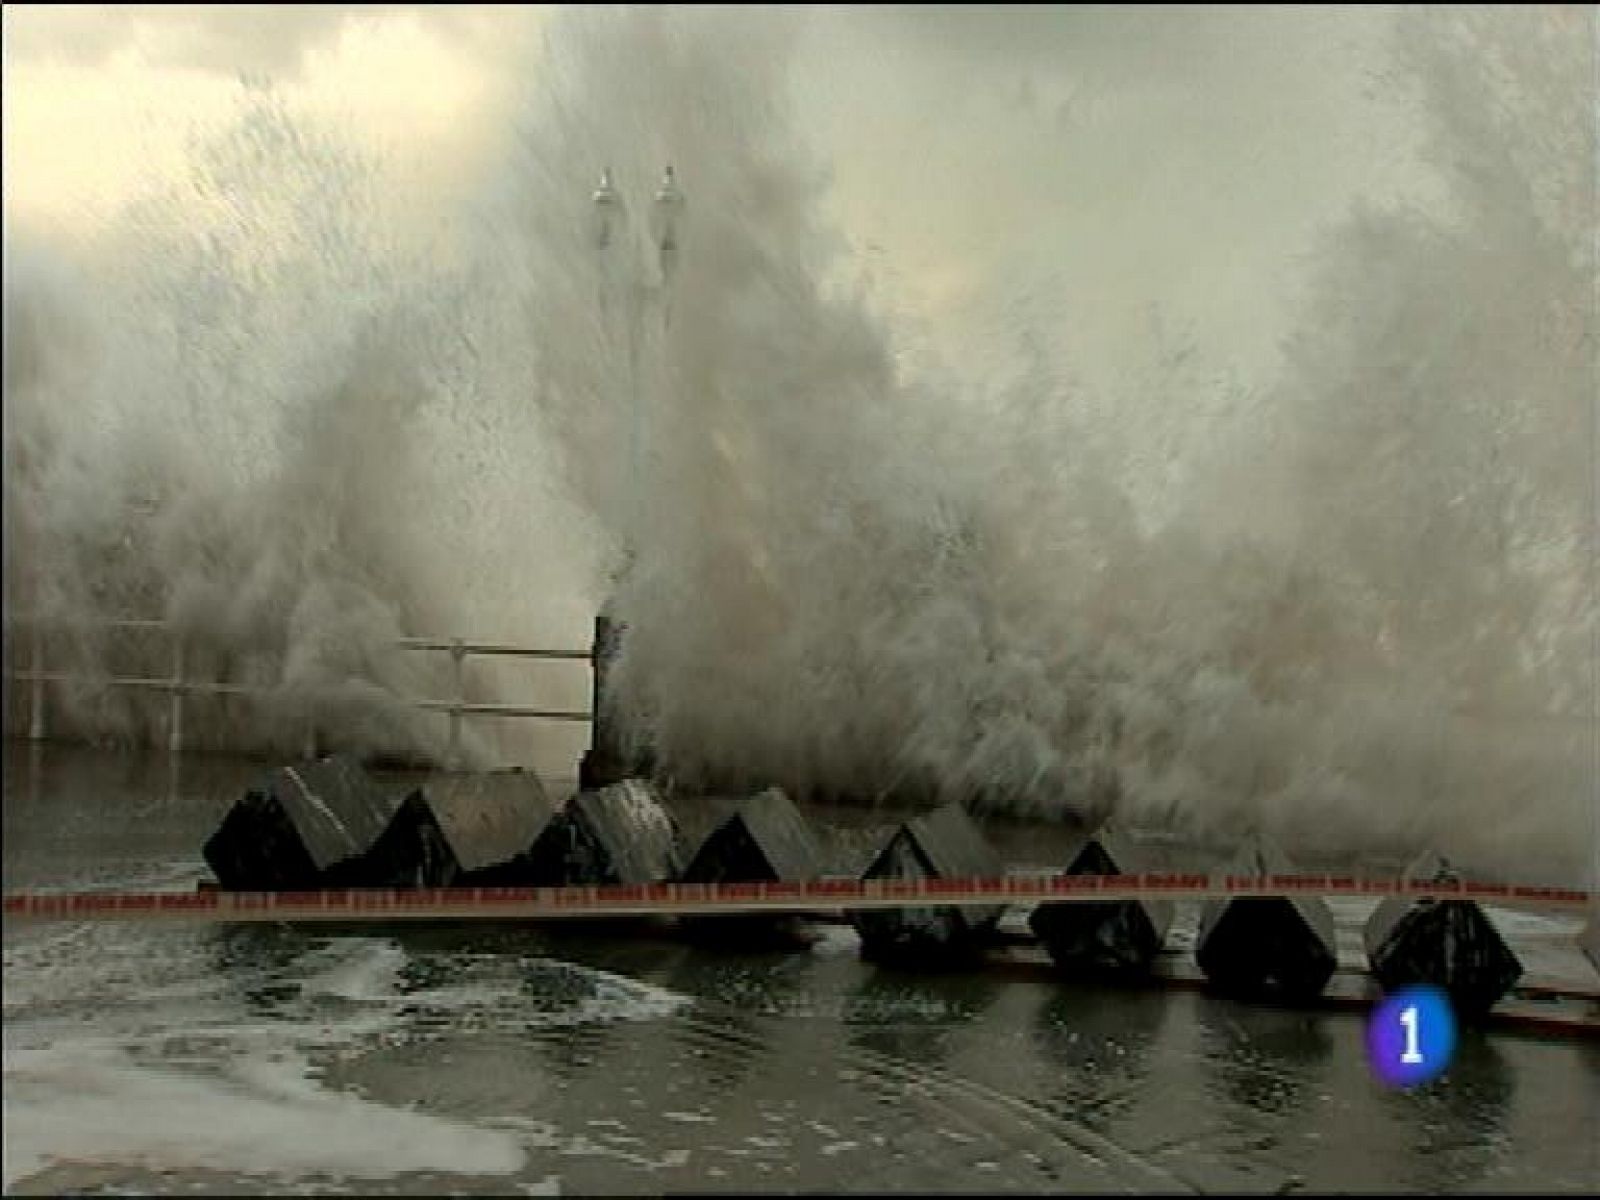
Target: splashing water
{"x": 1362, "y": 620}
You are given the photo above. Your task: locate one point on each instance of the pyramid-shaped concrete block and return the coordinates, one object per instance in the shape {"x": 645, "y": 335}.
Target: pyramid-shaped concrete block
{"x": 1270, "y": 947}
{"x": 462, "y": 831}
{"x": 764, "y": 839}
{"x": 1451, "y": 944}
{"x": 943, "y": 844}
{"x": 301, "y": 828}
{"x": 1104, "y": 936}
{"x": 621, "y": 834}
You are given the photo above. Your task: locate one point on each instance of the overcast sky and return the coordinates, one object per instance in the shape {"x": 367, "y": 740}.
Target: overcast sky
{"x": 1098, "y": 162}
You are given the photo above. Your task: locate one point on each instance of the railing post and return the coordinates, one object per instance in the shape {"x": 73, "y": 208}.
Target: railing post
{"x": 174, "y": 777}
{"x": 36, "y": 692}
{"x": 602, "y": 764}
{"x": 36, "y": 767}
{"x": 458, "y": 658}
{"x": 175, "y": 723}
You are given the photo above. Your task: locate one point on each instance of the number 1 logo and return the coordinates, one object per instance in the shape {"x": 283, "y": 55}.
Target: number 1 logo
{"x": 1411, "y": 1037}
{"x": 1411, "y": 1057}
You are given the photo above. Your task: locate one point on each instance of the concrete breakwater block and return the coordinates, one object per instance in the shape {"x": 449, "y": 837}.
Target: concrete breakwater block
{"x": 620, "y": 834}
{"x": 1450, "y": 944}
{"x": 301, "y": 828}
{"x": 943, "y": 844}
{"x": 1270, "y": 947}
{"x": 765, "y": 839}
{"x": 462, "y": 831}
{"x": 1104, "y": 936}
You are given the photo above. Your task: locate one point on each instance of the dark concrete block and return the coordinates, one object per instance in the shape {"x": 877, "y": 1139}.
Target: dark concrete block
{"x": 462, "y": 831}
{"x": 620, "y": 834}
{"x": 943, "y": 844}
{"x": 301, "y": 828}
{"x": 1272, "y": 947}
{"x": 1450, "y": 944}
{"x": 1110, "y": 936}
{"x": 765, "y": 839}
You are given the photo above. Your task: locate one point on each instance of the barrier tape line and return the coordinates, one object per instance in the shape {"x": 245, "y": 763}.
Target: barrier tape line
{"x": 486, "y": 903}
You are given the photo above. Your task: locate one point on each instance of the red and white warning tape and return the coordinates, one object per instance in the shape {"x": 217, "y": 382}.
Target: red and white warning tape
{"x": 677, "y": 899}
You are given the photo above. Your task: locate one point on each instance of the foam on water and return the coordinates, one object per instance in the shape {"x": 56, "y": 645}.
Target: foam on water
{"x": 140, "y": 1051}
{"x": 368, "y": 973}
{"x": 90, "y": 1102}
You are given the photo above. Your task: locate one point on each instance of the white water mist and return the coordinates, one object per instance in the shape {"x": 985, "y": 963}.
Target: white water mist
{"x": 1361, "y": 623}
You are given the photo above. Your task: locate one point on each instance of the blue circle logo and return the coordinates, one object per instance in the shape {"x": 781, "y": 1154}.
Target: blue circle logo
{"x": 1411, "y": 1036}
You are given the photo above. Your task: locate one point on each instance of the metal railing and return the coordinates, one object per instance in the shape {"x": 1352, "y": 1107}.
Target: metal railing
{"x": 179, "y": 685}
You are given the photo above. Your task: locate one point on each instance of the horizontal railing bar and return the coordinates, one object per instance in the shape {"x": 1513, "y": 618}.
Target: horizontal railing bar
{"x": 503, "y": 710}
{"x": 239, "y": 689}
{"x": 490, "y": 649}
{"x": 134, "y": 681}
{"x": 484, "y": 649}
{"x": 87, "y": 622}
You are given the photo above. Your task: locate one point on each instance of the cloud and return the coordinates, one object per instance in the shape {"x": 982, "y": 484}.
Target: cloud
{"x": 232, "y": 39}
{"x": 253, "y": 40}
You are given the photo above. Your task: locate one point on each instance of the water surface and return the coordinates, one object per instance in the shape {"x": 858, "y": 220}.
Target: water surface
{"x": 506, "y": 1060}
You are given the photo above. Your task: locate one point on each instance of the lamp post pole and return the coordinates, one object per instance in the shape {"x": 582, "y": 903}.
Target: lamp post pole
{"x": 620, "y": 272}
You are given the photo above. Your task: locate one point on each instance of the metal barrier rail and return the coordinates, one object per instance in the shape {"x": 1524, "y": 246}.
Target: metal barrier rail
{"x": 179, "y": 686}
{"x": 492, "y": 648}
{"x": 663, "y": 899}
{"x": 459, "y": 649}
{"x": 134, "y": 681}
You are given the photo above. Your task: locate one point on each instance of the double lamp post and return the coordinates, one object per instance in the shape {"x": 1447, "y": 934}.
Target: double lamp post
{"x": 629, "y": 292}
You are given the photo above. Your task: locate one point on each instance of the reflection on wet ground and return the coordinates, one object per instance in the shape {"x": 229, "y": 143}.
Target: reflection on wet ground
{"x": 497, "y": 1059}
